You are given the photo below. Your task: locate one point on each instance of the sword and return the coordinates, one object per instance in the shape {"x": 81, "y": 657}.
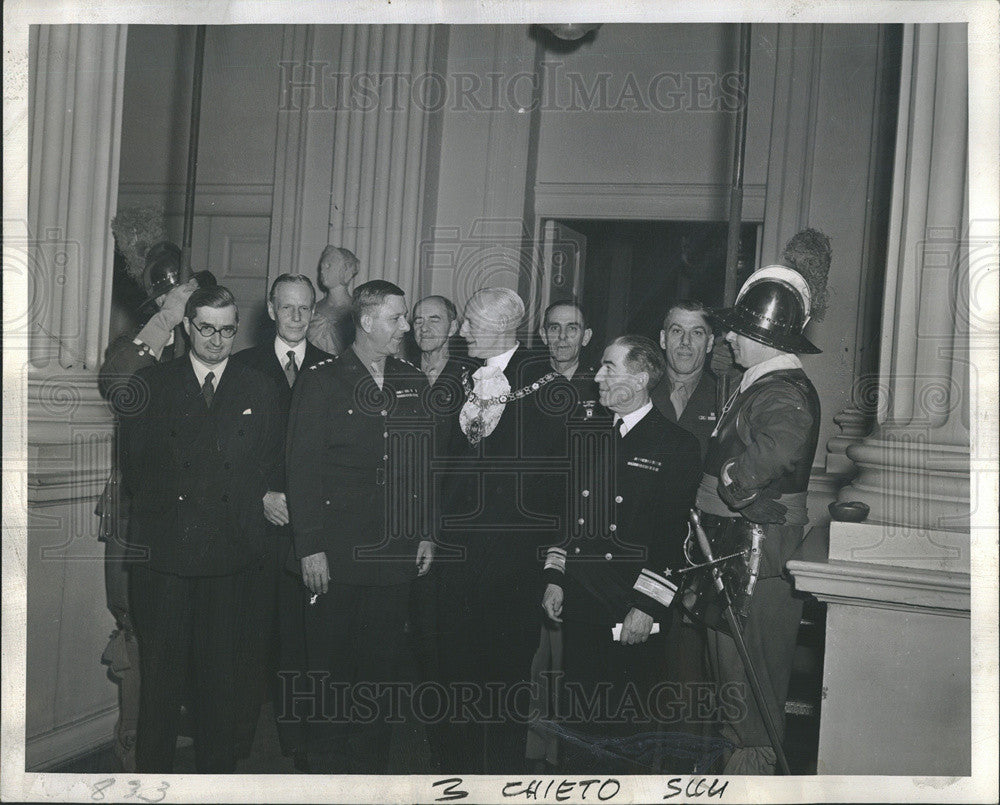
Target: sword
{"x": 741, "y": 648}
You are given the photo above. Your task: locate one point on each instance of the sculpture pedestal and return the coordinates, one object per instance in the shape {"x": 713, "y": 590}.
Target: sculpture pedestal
{"x": 896, "y": 675}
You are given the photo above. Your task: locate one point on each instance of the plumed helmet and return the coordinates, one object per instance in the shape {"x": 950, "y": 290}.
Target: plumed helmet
{"x": 770, "y": 310}
{"x": 163, "y": 269}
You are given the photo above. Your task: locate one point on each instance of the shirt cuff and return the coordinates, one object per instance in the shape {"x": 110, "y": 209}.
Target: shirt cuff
{"x": 155, "y": 335}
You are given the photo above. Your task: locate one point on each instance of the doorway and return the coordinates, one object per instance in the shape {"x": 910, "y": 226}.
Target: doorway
{"x": 625, "y": 272}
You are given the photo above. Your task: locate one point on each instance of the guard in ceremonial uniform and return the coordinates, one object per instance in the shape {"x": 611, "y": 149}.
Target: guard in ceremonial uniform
{"x": 615, "y": 572}
{"x": 357, "y": 444}
{"x": 136, "y": 349}
{"x": 756, "y": 479}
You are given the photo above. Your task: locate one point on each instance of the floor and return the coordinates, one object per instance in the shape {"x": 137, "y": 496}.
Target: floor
{"x": 411, "y": 754}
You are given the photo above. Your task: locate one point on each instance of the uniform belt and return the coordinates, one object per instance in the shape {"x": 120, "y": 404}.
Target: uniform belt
{"x": 714, "y": 522}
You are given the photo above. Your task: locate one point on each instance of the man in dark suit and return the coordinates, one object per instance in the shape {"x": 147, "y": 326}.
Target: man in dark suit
{"x": 616, "y": 566}
{"x": 199, "y": 453}
{"x": 357, "y": 441}
{"x": 139, "y": 347}
{"x": 687, "y": 393}
{"x": 289, "y": 304}
{"x": 504, "y": 503}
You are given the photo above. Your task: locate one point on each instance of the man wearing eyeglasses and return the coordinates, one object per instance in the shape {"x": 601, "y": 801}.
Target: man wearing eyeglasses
{"x": 200, "y": 441}
{"x": 565, "y": 332}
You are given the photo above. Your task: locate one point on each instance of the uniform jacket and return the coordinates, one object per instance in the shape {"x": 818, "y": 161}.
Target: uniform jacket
{"x": 357, "y": 469}
{"x": 701, "y": 412}
{"x": 587, "y": 402}
{"x": 264, "y": 360}
{"x": 198, "y": 475}
{"x": 122, "y": 359}
{"x": 770, "y": 431}
{"x": 631, "y": 506}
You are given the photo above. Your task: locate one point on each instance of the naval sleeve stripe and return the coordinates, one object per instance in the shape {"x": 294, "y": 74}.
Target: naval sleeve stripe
{"x": 656, "y": 587}
{"x": 555, "y": 559}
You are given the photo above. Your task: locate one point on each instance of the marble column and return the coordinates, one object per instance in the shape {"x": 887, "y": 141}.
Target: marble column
{"x": 74, "y": 113}
{"x": 77, "y": 76}
{"x": 913, "y": 469}
{"x": 380, "y": 148}
{"x": 897, "y": 665}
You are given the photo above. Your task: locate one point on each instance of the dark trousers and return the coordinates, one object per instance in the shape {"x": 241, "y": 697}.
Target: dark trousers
{"x": 488, "y": 638}
{"x": 770, "y": 632}
{"x": 205, "y": 626}
{"x": 610, "y": 722}
{"x": 354, "y": 640}
{"x": 288, "y": 648}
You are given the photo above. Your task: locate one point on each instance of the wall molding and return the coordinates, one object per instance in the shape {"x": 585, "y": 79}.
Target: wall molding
{"x": 226, "y": 200}
{"x": 885, "y": 586}
{"x": 70, "y": 741}
{"x": 639, "y": 200}
{"x": 70, "y": 429}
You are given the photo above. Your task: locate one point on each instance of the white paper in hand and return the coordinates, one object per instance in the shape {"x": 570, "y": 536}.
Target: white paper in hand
{"x": 616, "y": 631}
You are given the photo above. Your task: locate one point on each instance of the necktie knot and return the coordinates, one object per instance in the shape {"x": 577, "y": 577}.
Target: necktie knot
{"x": 679, "y": 397}
{"x": 208, "y": 388}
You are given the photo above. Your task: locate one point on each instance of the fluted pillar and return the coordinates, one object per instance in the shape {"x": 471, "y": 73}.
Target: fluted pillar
{"x": 896, "y": 670}
{"x": 380, "y": 148}
{"x": 913, "y": 470}
{"x": 76, "y": 82}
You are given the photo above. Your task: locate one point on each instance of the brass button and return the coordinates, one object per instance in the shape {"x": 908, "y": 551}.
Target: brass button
{"x": 608, "y": 556}
{"x": 180, "y": 497}
{"x": 580, "y": 521}
{"x": 618, "y": 498}
{"x": 350, "y": 410}
{"x": 576, "y": 550}
{"x": 612, "y": 527}
{"x": 585, "y": 493}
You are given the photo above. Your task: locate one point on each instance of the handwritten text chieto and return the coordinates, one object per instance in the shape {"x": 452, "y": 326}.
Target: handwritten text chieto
{"x": 594, "y": 789}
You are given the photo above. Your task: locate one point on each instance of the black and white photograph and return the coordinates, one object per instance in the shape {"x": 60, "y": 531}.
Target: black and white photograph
{"x": 500, "y": 402}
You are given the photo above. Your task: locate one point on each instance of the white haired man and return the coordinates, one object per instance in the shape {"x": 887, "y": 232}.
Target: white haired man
{"x": 504, "y": 502}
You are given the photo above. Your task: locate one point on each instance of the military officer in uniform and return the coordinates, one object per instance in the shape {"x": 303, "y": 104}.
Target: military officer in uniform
{"x": 565, "y": 333}
{"x": 687, "y": 393}
{"x": 357, "y": 445}
{"x": 756, "y": 477}
{"x": 615, "y": 571}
